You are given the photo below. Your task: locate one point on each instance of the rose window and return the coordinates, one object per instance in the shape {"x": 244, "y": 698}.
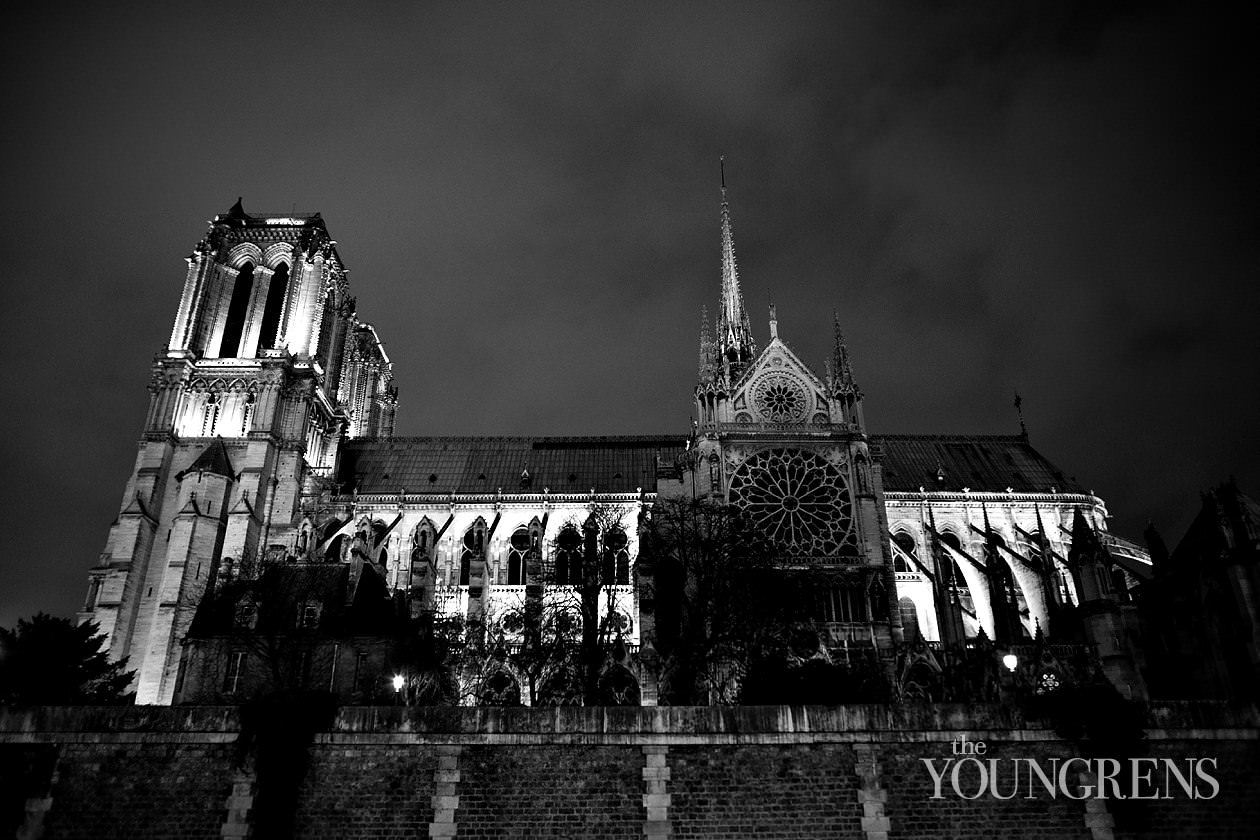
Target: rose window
{"x": 798, "y": 499}
{"x": 780, "y": 398}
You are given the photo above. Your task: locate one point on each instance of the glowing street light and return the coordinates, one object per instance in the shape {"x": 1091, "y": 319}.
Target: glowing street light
{"x": 398, "y": 682}
{"x": 1010, "y": 660}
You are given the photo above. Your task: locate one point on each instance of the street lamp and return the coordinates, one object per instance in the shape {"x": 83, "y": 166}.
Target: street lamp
{"x": 1010, "y": 660}
{"x": 398, "y": 684}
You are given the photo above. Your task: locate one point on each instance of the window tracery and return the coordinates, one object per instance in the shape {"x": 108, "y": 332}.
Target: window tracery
{"x": 569, "y": 556}
{"x": 904, "y": 553}
{"x": 780, "y": 398}
{"x": 616, "y": 569}
{"x": 474, "y": 546}
{"x": 519, "y": 547}
{"x": 798, "y": 499}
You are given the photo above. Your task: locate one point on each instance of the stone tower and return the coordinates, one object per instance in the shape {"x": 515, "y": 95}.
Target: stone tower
{"x": 267, "y": 369}
{"x": 789, "y": 449}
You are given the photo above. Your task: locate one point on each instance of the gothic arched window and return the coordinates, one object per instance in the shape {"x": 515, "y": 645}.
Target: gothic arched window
{"x": 211, "y": 417}
{"x": 520, "y": 545}
{"x": 238, "y": 310}
{"x": 247, "y": 412}
{"x": 474, "y": 546}
{"x": 903, "y": 560}
{"x": 422, "y": 545}
{"x": 616, "y": 566}
{"x": 424, "y": 537}
{"x": 568, "y": 556}
{"x": 275, "y": 304}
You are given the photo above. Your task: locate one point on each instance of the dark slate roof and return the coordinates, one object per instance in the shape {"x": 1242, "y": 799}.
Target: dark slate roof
{"x": 488, "y": 464}
{"x": 213, "y": 459}
{"x": 985, "y": 463}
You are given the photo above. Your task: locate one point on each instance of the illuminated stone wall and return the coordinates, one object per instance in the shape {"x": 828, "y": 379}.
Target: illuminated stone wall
{"x": 256, "y": 358}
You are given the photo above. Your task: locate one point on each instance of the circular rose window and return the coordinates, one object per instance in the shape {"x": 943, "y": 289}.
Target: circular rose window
{"x": 798, "y": 499}
{"x": 780, "y": 398}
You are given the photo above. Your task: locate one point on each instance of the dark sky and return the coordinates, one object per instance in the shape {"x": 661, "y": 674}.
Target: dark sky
{"x": 993, "y": 195}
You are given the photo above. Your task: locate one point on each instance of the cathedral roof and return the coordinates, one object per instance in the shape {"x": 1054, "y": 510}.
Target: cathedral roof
{"x": 511, "y": 464}
{"x": 984, "y": 463}
{"x": 237, "y": 215}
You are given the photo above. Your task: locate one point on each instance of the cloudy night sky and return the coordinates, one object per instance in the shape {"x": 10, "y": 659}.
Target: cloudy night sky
{"x": 993, "y": 196}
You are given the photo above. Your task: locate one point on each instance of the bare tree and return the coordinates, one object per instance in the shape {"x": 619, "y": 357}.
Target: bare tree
{"x": 724, "y": 599}
{"x": 560, "y": 639}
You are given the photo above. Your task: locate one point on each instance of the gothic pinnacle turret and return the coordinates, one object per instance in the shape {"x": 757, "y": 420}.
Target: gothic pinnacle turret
{"x": 708, "y": 352}
{"x": 840, "y": 369}
{"x": 734, "y": 332}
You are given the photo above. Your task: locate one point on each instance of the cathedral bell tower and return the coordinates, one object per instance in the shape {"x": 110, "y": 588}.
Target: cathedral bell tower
{"x": 267, "y": 369}
{"x": 790, "y": 450}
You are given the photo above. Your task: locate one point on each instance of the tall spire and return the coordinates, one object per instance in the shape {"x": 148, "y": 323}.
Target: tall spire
{"x": 734, "y": 332}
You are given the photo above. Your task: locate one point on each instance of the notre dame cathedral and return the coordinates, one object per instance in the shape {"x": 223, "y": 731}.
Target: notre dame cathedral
{"x": 268, "y": 445}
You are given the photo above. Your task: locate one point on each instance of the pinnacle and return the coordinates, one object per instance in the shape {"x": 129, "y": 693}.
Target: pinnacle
{"x": 734, "y": 328}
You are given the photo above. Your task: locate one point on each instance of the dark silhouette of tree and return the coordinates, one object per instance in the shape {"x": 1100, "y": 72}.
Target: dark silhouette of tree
{"x": 430, "y": 655}
{"x": 50, "y": 661}
{"x": 725, "y": 602}
{"x": 295, "y": 628}
{"x": 564, "y": 639}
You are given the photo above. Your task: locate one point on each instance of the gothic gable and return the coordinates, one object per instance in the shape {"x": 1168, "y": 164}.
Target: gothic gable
{"x": 780, "y": 389}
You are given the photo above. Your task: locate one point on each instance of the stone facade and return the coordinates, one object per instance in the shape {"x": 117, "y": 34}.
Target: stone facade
{"x": 268, "y": 440}
{"x": 267, "y": 369}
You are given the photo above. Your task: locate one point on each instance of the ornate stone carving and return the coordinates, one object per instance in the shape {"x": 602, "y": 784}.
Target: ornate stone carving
{"x": 798, "y": 498}
{"x": 780, "y": 398}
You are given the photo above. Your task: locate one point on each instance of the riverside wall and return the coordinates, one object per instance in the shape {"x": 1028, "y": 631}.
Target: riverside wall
{"x": 681, "y": 772}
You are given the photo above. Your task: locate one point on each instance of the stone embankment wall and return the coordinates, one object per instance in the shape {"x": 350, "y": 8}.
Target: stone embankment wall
{"x": 765, "y": 772}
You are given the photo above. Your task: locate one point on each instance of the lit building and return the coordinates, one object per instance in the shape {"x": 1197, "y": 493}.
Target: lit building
{"x": 267, "y": 370}
{"x": 269, "y": 441}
